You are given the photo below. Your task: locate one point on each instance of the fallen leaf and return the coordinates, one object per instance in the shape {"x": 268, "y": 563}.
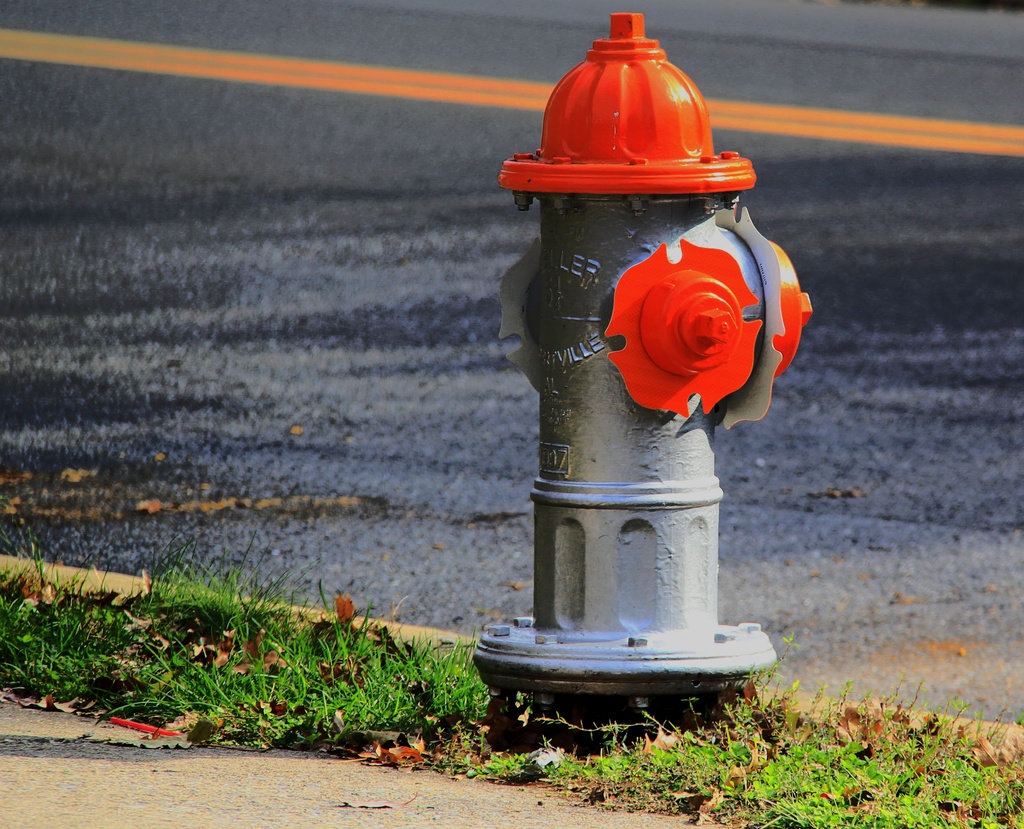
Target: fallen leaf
{"x": 75, "y": 476}
{"x": 835, "y": 492}
{"x": 662, "y": 741}
{"x": 159, "y": 457}
{"x": 9, "y": 475}
{"x": 344, "y": 607}
{"x": 151, "y": 506}
{"x": 515, "y": 585}
{"x": 439, "y": 545}
{"x": 899, "y": 598}
{"x": 397, "y": 756}
{"x": 296, "y": 430}
{"x": 708, "y": 805}
{"x": 374, "y": 804}
{"x": 202, "y": 731}
{"x": 48, "y": 703}
{"x": 223, "y": 650}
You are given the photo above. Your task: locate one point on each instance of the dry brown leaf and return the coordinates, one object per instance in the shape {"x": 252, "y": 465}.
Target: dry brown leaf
{"x": 330, "y": 672}
{"x": 355, "y": 803}
{"x": 75, "y": 476}
{"x": 397, "y": 756}
{"x": 662, "y": 741}
{"x": 707, "y": 805}
{"x": 985, "y": 753}
{"x": 515, "y": 585}
{"x": 9, "y": 475}
{"x": 48, "y": 703}
{"x": 151, "y": 506}
{"x": 835, "y": 492}
{"x": 344, "y": 607}
{"x": 899, "y": 598}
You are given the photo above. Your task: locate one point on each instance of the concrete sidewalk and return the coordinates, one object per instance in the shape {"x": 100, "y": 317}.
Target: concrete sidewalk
{"x": 55, "y": 770}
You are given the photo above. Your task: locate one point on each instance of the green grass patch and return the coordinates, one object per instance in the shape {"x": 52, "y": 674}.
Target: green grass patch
{"x": 762, "y": 762}
{"x": 230, "y": 659}
{"x": 231, "y": 650}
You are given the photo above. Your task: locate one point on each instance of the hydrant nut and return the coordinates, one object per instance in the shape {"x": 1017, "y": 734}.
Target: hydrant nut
{"x": 499, "y": 630}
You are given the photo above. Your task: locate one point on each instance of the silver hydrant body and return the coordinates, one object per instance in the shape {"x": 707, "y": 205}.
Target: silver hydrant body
{"x": 649, "y": 312}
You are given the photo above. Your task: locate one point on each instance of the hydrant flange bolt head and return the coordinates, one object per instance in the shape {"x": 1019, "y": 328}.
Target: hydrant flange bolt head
{"x": 543, "y": 699}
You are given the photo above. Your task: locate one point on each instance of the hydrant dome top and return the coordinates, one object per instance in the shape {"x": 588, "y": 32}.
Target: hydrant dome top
{"x": 626, "y": 121}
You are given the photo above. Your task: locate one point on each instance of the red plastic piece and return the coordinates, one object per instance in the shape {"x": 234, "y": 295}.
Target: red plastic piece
{"x": 626, "y": 121}
{"x": 796, "y": 311}
{"x": 148, "y": 729}
{"x": 684, "y": 328}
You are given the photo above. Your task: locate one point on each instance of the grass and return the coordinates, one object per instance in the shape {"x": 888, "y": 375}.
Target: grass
{"x": 228, "y": 656}
{"x": 759, "y": 762}
{"x": 227, "y": 648}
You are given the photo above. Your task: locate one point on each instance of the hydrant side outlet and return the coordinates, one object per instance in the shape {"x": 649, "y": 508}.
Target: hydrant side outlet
{"x": 648, "y": 307}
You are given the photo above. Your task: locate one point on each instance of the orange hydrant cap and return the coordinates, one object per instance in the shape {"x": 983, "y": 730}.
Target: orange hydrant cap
{"x": 626, "y": 121}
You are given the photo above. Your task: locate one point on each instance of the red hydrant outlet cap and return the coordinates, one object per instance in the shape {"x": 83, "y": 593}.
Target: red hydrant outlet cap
{"x": 626, "y": 121}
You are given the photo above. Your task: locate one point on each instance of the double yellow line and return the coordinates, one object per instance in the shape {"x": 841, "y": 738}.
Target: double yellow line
{"x": 804, "y": 122}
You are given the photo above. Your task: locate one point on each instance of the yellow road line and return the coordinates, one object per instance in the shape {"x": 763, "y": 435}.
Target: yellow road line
{"x": 805, "y": 122}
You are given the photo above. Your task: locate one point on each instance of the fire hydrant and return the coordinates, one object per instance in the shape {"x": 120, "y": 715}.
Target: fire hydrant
{"x": 649, "y": 311}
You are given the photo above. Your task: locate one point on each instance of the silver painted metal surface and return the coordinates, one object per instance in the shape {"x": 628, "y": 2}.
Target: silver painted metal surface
{"x": 751, "y": 401}
{"x": 626, "y": 499}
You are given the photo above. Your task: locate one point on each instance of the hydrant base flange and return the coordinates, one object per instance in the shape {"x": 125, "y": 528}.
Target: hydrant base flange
{"x": 518, "y": 659}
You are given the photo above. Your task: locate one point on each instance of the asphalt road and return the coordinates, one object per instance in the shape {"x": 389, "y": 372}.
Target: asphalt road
{"x": 189, "y": 269}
